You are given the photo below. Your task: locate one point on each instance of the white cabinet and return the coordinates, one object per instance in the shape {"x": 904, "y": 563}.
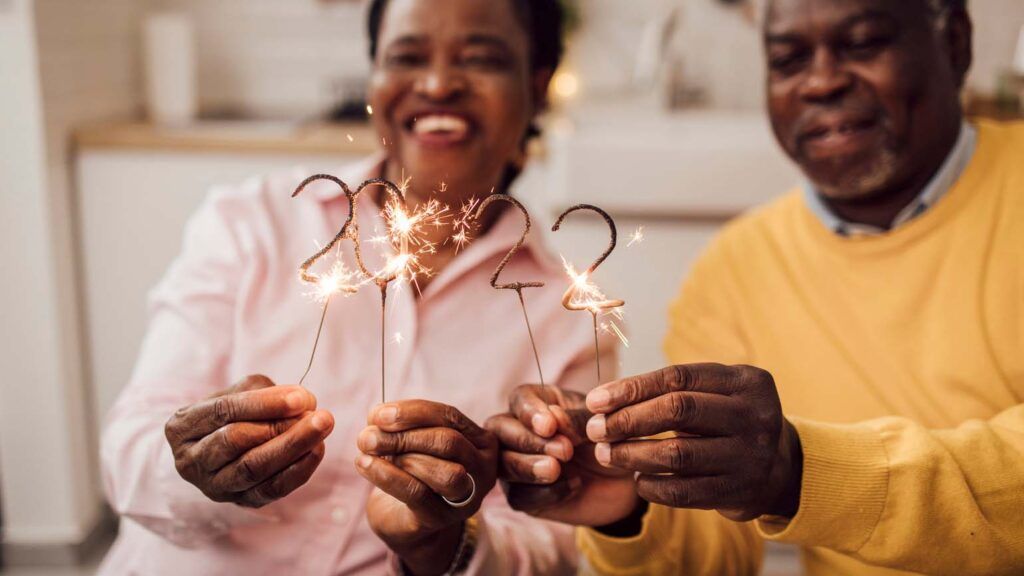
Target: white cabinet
{"x": 132, "y": 207}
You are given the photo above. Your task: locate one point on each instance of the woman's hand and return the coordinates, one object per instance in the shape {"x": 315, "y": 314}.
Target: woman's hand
{"x": 547, "y": 464}
{"x": 250, "y": 444}
{"x": 434, "y": 452}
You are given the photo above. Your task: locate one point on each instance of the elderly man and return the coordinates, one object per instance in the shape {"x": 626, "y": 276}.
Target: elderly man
{"x": 883, "y": 305}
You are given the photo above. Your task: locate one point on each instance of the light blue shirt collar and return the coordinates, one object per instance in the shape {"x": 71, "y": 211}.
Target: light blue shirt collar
{"x": 950, "y": 171}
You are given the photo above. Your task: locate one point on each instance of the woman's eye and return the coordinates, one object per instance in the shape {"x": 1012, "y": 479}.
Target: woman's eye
{"x": 786, "y": 61}
{"x": 404, "y": 59}
{"x": 487, "y": 61}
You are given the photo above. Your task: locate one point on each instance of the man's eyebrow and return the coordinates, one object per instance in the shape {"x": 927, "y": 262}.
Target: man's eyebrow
{"x": 867, "y": 15}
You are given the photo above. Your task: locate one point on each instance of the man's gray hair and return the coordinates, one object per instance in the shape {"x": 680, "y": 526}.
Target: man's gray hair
{"x": 940, "y": 9}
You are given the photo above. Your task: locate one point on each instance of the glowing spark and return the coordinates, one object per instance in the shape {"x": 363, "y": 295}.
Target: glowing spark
{"x": 637, "y": 237}
{"x": 350, "y": 138}
{"x": 369, "y": 110}
{"x": 464, "y": 224}
{"x": 586, "y": 294}
{"x": 338, "y": 280}
{"x": 610, "y": 327}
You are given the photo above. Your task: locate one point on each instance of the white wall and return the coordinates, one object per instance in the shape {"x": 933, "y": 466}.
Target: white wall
{"x": 249, "y": 49}
{"x": 64, "y": 62}
{"x": 48, "y": 496}
{"x": 274, "y": 57}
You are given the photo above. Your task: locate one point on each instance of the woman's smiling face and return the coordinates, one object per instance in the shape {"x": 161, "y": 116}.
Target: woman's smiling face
{"x": 453, "y": 91}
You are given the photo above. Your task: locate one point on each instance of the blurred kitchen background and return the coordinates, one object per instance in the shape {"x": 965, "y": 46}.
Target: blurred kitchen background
{"x": 116, "y": 116}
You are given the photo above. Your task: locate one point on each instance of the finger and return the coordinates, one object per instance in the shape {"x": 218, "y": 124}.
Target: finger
{"x": 530, "y": 404}
{"x": 528, "y": 468}
{"x": 449, "y": 479}
{"x": 532, "y": 498}
{"x": 443, "y": 443}
{"x": 690, "y": 412}
{"x": 705, "y": 492}
{"x": 251, "y": 382}
{"x": 513, "y": 435}
{"x": 403, "y": 486}
{"x": 572, "y": 423}
{"x": 709, "y": 378}
{"x": 267, "y": 459}
{"x": 198, "y": 420}
{"x": 284, "y": 482}
{"x": 410, "y": 414}
{"x": 228, "y": 443}
{"x": 681, "y": 456}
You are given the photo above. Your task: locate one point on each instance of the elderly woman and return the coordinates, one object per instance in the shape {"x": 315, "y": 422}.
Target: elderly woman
{"x": 217, "y": 472}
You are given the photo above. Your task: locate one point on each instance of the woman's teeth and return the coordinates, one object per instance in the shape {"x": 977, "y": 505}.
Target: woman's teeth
{"x": 440, "y": 124}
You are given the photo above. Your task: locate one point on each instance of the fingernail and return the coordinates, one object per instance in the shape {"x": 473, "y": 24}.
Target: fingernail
{"x": 364, "y": 461}
{"x": 322, "y": 421}
{"x": 368, "y": 441}
{"x": 603, "y": 453}
{"x": 544, "y": 469}
{"x": 387, "y": 415}
{"x": 542, "y": 424}
{"x": 296, "y": 400}
{"x": 598, "y": 399}
{"x": 557, "y": 450}
{"x": 597, "y": 428}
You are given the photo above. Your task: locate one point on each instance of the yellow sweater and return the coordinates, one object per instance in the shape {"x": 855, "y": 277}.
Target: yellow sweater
{"x": 900, "y": 361}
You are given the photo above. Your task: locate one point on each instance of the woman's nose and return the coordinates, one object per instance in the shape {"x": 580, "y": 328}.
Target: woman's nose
{"x": 441, "y": 83}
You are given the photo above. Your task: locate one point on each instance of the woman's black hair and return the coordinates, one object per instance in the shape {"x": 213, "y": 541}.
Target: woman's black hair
{"x": 544, "y": 21}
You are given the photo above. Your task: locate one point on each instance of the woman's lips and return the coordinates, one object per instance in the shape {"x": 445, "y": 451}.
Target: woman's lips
{"x": 440, "y": 130}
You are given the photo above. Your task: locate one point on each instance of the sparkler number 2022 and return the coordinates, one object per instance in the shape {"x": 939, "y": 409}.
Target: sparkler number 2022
{"x": 403, "y": 230}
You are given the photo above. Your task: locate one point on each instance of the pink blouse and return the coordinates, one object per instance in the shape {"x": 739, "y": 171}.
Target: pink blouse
{"x": 232, "y": 305}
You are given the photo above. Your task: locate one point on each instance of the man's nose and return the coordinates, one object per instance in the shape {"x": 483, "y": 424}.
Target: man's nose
{"x": 441, "y": 82}
{"x": 826, "y": 79}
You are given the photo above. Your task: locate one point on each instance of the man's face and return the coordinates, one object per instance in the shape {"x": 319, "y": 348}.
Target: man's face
{"x": 862, "y": 94}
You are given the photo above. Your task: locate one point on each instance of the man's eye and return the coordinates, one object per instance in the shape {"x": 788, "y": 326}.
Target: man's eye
{"x": 866, "y": 47}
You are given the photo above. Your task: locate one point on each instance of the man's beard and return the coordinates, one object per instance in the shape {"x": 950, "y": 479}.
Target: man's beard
{"x": 866, "y": 180}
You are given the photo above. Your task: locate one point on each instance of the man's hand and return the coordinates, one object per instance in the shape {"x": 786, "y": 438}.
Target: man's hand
{"x": 250, "y": 444}
{"x": 733, "y": 451}
{"x": 415, "y": 452}
{"x": 547, "y": 466}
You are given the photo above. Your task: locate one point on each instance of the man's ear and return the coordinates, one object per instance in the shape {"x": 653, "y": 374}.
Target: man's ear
{"x": 540, "y": 82}
{"x": 959, "y": 37}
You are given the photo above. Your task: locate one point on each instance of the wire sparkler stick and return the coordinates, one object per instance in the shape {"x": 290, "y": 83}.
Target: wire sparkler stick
{"x": 400, "y": 228}
{"x": 339, "y": 279}
{"x": 584, "y": 294}
{"x": 517, "y": 286}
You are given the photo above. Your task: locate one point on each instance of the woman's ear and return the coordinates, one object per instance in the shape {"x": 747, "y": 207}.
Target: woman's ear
{"x": 540, "y": 82}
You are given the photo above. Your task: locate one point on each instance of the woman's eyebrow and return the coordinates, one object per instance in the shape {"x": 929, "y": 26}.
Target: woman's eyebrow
{"x": 478, "y": 38}
{"x": 408, "y": 40}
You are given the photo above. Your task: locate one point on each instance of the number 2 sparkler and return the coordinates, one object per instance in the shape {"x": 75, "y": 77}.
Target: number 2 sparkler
{"x": 583, "y": 294}
{"x": 517, "y": 286}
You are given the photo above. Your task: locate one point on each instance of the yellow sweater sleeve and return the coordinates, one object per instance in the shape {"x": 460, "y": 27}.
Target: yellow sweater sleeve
{"x": 677, "y": 541}
{"x": 893, "y": 493}
{"x": 672, "y": 541}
